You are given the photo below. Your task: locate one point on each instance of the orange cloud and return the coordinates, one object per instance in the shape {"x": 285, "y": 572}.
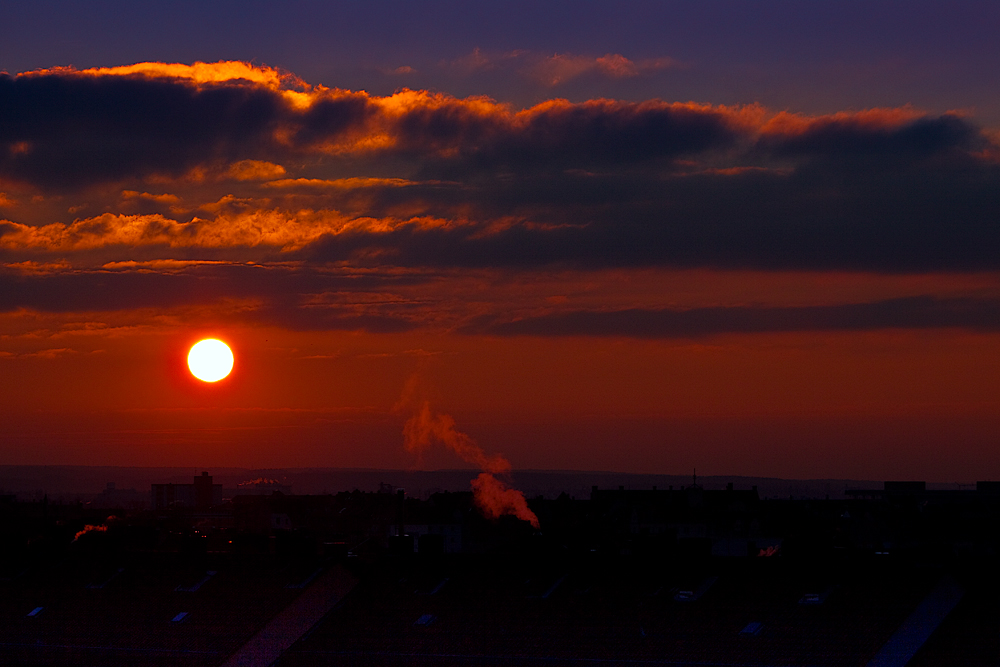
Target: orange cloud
{"x": 38, "y": 268}
{"x": 160, "y": 265}
{"x": 293, "y": 89}
{"x": 249, "y": 229}
{"x": 199, "y": 72}
{"x": 558, "y": 69}
{"x": 340, "y": 183}
{"x": 562, "y": 68}
{"x": 787, "y": 124}
{"x": 255, "y": 170}
{"x": 278, "y": 229}
{"x": 163, "y": 198}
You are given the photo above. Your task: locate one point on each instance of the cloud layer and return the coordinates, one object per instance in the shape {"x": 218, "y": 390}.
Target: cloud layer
{"x": 227, "y": 162}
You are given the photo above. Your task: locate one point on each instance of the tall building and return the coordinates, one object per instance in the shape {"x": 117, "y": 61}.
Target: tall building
{"x": 200, "y": 495}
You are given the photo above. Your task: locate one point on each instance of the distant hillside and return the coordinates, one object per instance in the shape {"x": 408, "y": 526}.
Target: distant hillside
{"x": 69, "y": 482}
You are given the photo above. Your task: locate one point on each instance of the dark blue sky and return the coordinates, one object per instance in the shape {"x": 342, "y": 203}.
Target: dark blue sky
{"x": 805, "y": 56}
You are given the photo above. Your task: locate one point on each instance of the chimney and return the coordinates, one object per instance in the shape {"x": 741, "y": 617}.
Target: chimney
{"x": 400, "y": 505}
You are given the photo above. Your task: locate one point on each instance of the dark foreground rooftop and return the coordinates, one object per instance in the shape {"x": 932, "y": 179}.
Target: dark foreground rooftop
{"x": 896, "y": 576}
{"x": 603, "y": 612}
{"x": 172, "y": 609}
{"x": 150, "y": 609}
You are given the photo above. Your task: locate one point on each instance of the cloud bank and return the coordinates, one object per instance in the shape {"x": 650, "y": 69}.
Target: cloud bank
{"x": 232, "y": 163}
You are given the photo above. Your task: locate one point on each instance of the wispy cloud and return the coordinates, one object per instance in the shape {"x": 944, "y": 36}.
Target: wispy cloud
{"x": 920, "y": 312}
{"x": 559, "y": 68}
{"x": 49, "y": 353}
{"x": 562, "y": 68}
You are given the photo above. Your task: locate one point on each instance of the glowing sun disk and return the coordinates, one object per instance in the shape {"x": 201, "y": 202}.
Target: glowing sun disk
{"x": 210, "y": 360}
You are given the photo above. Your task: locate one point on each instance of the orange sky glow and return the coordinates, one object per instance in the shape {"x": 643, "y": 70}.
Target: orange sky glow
{"x": 592, "y": 285}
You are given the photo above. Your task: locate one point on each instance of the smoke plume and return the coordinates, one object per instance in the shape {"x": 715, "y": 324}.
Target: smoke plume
{"x": 495, "y": 499}
{"x": 427, "y": 427}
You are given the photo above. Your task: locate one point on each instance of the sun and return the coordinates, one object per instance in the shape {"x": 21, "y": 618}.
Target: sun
{"x": 210, "y": 360}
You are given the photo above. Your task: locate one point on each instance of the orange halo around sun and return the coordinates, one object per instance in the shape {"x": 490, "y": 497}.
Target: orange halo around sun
{"x": 210, "y": 360}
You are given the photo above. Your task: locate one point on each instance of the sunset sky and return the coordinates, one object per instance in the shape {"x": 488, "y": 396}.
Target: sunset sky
{"x": 759, "y": 238}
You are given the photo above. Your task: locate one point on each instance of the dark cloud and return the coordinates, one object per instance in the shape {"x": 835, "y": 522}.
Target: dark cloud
{"x": 459, "y": 137}
{"x": 300, "y": 298}
{"x": 328, "y": 118}
{"x": 933, "y": 219}
{"x": 281, "y": 296}
{"x": 63, "y": 131}
{"x": 66, "y": 129}
{"x": 867, "y": 136}
{"x": 921, "y": 312}
{"x": 473, "y": 183}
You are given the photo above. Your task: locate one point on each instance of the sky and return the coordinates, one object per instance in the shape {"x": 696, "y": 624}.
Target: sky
{"x": 756, "y": 238}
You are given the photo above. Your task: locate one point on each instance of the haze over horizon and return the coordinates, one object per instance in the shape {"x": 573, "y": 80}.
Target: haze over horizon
{"x": 759, "y": 239}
